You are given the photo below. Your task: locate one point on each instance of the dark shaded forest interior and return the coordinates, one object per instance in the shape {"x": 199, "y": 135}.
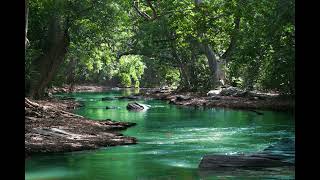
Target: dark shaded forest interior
{"x": 193, "y": 46}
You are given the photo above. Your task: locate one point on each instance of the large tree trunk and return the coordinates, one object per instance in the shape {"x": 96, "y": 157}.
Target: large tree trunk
{"x": 183, "y": 69}
{"x": 185, "y": 76}
{"x": 54, "y": 54}
{"x": 206, "y": 49}
{"x": 70, "y": 73}
{"x": 26, "y": 42}
{"x": 212, "y": 61}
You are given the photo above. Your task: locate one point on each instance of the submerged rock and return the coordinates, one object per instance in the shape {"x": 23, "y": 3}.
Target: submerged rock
{"x": 137, "y": 106}
{"x": 231, "y": 162}
{"x": 132, "y": 97}
{"x": 108, "y": 98}
{"x": 283, "y": 149}
{"x": 284, "y": 145}
{"x": 111, "y": 107}
{"x": 279, "y": 154}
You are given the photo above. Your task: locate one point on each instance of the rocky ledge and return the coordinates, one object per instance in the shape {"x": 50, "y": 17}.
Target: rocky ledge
{"x": 50, "y": 128}
{"x": 226, "y": 98}
{"x": 279, "y": 154}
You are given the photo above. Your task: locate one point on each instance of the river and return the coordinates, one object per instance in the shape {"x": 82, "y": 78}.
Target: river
{"x": 171, "y": 142}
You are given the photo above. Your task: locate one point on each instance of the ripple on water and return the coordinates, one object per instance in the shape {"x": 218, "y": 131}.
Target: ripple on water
{"x": 54, "y": 173}
{"x": 178, "y": 163}
{"x": 169, "y": 138}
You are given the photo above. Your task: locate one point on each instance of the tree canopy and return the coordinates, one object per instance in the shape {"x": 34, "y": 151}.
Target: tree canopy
{"x": 194, "y": 45}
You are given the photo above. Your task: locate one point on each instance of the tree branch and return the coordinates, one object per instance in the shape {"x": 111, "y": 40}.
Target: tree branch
{"x": 154, "y": 13}
{"x": 226, "y": 55}
{"x": 143, "y": 14}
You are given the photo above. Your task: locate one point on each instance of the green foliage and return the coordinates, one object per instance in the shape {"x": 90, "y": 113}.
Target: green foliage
{"x": 125, "y": 79}
{"x": 110, "y": 43}
{"x": 130, "y": 70}
{"x": 265, "y": 56}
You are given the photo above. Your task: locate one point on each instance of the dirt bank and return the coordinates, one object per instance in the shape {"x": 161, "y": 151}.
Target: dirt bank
{"x": 51, "y": 127}
{"x": 79, "y": 88}
{"x": 248, "y": 102}
{"x": 241, "y": 100}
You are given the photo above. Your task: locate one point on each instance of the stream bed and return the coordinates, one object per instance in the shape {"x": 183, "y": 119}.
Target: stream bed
{"x": 171, "y": 142}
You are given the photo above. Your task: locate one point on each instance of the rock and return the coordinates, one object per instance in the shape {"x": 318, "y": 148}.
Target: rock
{"x": 132, "y": 97}
{"x": 111, "y": 107}
{"x": 117, "y": 125}
{"x": 232, "y": 162}
{"x": 162, "y": 91}
{"x": 283, "y": 150}
{"x": 254, "y": 98}
{"x": 215, "y": 98}
{"x": 257, "y": 112}
{"x": 233, "y": 91}
{"x": 285, "y": 147}
{"x": 279, "y": 154}
{"x": 137, "y": 106}
{"x": 182, "y": 98}
{"x": 214, "y": 92}
{"x": 165, "y": 88}
{"x": 53, "y": 129}
{"x": 108, "y": 98}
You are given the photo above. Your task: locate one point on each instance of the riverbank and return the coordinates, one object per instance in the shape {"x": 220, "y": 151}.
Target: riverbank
{"x": 248, "y": 101}
{"x": 169, "y": 134}
{"x": 235, "y": 99}
{"x": 79, "y": 88}
{"x": 50, "y": 126}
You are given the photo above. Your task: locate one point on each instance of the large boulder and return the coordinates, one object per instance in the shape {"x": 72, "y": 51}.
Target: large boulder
{"x": 137, "y": 107}
{"x": 278, "y": 154}
{"x": 214, "y": 92}
{"x": 182, "y": 98}
{"x": 233, "y": 91}
{"x": 283, "y": 149}
{"x": 232, "y": 162}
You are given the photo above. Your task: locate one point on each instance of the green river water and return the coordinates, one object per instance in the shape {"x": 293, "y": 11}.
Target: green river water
{"x": 171, "y": 142}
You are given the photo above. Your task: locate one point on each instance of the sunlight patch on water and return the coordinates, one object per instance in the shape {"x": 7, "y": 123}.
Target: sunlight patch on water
{"x": 275, "y": 133}
{"x": 178, "y": 163}
{"x": 50, "y": 174}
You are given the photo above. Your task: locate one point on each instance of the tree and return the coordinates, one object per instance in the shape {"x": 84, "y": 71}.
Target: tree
{"x": 189, "y": 44}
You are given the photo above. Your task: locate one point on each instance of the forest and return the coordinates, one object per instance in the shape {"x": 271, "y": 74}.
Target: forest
{"x": 189, "y": 45}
